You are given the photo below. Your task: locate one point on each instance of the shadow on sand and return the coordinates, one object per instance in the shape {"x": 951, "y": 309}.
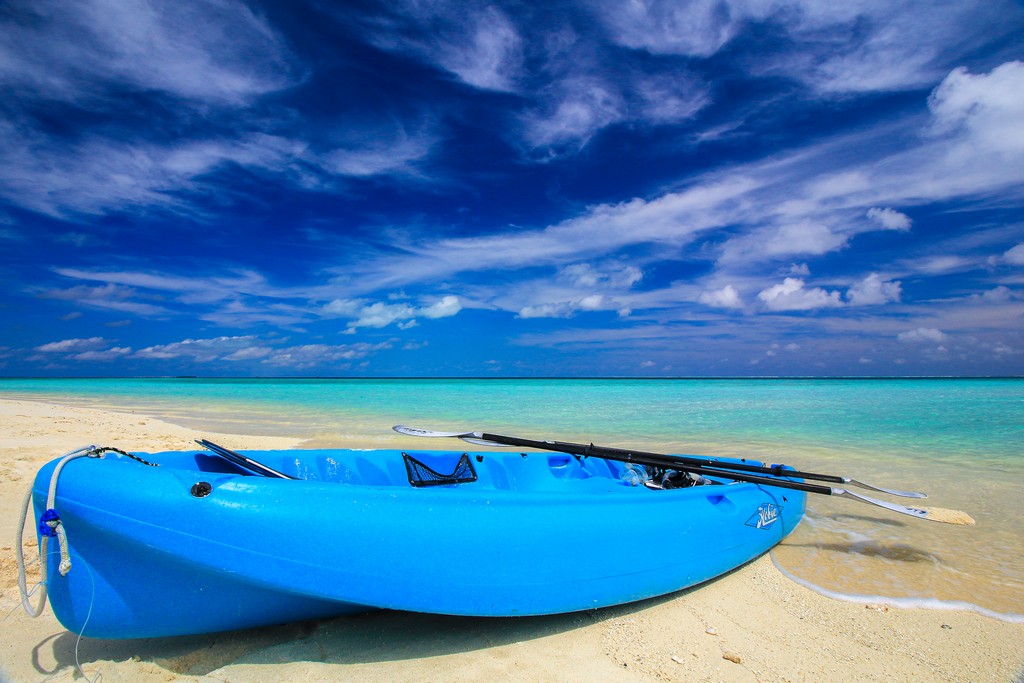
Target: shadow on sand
{"x": 376, "y": 636}
{"x": 896, "y": 552}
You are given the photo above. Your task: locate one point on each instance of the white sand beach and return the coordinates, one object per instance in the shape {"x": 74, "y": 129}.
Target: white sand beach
{"x": 753, "y": 624}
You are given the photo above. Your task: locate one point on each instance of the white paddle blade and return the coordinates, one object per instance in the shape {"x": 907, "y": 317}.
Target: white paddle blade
{"x": 891, "y": 492}
{"x": 413, "y": 431}
{"x": 482, "y": 442}
{"x": 932, "y": 514}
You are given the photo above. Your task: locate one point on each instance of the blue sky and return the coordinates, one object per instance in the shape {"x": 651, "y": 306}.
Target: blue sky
{"x": 512, "y": 189}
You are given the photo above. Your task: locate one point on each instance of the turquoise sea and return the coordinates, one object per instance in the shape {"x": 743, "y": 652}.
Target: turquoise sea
{"x": 960, "y": 440}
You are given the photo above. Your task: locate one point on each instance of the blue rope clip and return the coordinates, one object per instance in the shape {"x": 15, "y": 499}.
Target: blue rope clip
{"x": 44, "y": 528}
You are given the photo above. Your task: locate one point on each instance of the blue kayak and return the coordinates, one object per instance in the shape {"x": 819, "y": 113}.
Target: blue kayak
{"x": 189, "y": 542}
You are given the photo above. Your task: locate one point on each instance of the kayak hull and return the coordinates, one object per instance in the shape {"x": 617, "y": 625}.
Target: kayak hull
{"x": 196, "y": 545}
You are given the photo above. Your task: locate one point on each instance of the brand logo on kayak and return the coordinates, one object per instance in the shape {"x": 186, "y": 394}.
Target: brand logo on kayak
{"x": 766, "y": 515}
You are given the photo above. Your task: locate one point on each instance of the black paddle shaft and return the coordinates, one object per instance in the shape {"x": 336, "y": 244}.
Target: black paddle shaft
{"x": 661, "y": 460}
{"x": 774, "y": 470}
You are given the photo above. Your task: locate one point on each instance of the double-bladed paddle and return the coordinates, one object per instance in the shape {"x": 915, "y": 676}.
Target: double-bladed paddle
{"x": 770, "y": 475}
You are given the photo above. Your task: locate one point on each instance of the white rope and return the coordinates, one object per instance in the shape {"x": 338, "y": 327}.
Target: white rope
{"x": 62, "y": 540}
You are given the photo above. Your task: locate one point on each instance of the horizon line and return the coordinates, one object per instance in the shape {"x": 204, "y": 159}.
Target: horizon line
{"x": 509, "y": 377}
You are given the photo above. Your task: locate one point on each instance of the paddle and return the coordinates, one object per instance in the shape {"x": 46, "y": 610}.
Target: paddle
{"x": 773, "y": 470}
{"x": 703, "y": 466}
{"x": 243, "y": 461}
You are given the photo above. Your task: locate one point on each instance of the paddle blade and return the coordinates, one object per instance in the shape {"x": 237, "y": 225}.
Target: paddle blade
{"x": 413, "y": 431}
{"x": 482, "y": 442}
{"x": 891, "y": 492}
{"x": 931, "y": 514}
{"x": 949, "y": 516}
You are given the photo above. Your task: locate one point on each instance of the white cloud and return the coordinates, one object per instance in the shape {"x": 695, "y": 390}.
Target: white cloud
{"x": 98, "y": 174}
{"x": 572, "y": 112}
{"x": 219, "y": 52}
{"x": 108, "y": 297}
{"x": 147, "y": 280}
{"x": 940, "y": 264}
{"x": 988, "y": 107}
{"x": 923, "y": 335}
{"x": 580, "y": 275}
{"x": 696, "y": 29}
{"x": 380, "y": 314}
{"x": 105, "y": 354}
{"x": 977, "y": 142}
{"x": 1015, "y": 255}
{"x": 381, "y": 152}
{"x": 73, "y": 345}
{"x": 574, "y": 108}
{"x": 444, "y": 308}
{"x": 233, "y": 298}
{"x": 344, "y": 308}
{"x": 726, "y": 297}
{"x": 609, "y": 275}
{"x": 791, "y": 295}
{"x": 478, "y": 44}
{"x": 566, "y": 309}
{"x": 669, "y": 98}
{"x": 669, "y": 221}
{"x": 488, "y": 56}
{"x": 242, "y": 349}
{"x": 1000, "y": 294}
{"x": 199, "y": 350}
{"x": 833, "y": 47}
{"x": 203, "y": 60}
{"x": 563, "y": 309}
{"x": 1004, "y": 350}
{"x": 873, "y": 290}
{"x": 890, "y": 219}
{"x": 788, "y": 239}
{"x": 250, "y": 353}
{"x": 239, "y": 313}
{"x": 578, "y": 287}
{"x": 320, "y": 355}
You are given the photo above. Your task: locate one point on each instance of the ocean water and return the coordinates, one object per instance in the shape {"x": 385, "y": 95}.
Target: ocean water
{"x": 959, "y": 440}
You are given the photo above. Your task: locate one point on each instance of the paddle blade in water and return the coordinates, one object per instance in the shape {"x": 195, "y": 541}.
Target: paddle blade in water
{"x": 948, "y": 516}
{"x": 932, "y": 514}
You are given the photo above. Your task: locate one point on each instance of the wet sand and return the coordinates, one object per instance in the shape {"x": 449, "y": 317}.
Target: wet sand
{"x": 753, "y": 624}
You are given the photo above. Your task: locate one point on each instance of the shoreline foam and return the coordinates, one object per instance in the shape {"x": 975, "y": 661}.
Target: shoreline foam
{"x": 901, "y": 603}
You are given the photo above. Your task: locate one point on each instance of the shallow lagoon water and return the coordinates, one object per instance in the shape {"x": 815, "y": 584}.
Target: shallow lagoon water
{"x": 962, "y": 441}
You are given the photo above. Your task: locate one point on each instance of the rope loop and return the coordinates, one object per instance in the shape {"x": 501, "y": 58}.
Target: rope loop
{"x": 51, "y": 526}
